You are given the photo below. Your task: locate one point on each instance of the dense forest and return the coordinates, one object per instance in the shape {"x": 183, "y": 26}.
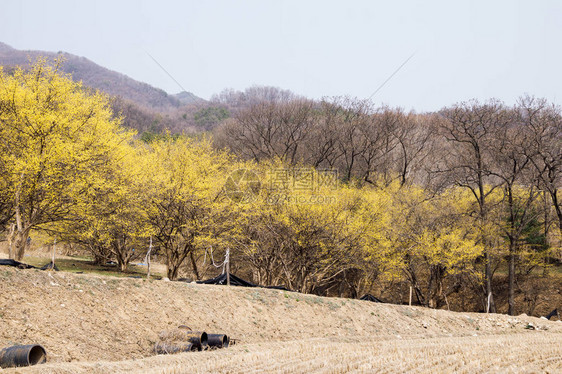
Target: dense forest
{"x": 334, "y": 197}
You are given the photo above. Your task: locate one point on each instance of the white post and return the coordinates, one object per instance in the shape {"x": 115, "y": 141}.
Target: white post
{"x": 227, "y": 260}
{"x": 147, "y": 259}
{"x": 53, "y": 255}
{"x": 410, "y": 302}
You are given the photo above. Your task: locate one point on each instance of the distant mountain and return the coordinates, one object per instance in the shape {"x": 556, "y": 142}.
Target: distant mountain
{"x": 5, "y": 48}
{"x": 108, "y": 81}
{"x": 188, "y": 98}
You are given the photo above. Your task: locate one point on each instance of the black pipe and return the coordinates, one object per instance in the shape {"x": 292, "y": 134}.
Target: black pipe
{"x": 197, "y": 338}
{"x": 22, "y": 355}
{"x": 218, "y": 340}
{"x": 171, "y": 348}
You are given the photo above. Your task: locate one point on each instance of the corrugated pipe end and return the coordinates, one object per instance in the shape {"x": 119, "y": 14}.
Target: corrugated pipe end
{"x": 218, "y": 340}
{"x": 22, "y": 355}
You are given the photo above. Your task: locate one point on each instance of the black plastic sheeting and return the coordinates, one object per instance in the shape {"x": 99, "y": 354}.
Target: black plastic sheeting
{"x": 237, "y": 281}
{"x": 369, "y": 297}
{"x": 17, "y": 264}
{"x": 50, "y": 266}
{"x": 21, "y": 265}
{"x": 234, "y": 281}
{"x": 554, "y": 313}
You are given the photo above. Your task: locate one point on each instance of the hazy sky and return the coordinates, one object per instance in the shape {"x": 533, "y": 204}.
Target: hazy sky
{"x": 463, "y": 49}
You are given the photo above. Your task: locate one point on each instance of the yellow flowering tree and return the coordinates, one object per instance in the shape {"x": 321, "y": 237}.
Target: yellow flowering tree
{"x": 188, "y": 209}
{"x": 434, "y": 240}
{"x": 54, "y": 136}
{"x": 110, "y": 217}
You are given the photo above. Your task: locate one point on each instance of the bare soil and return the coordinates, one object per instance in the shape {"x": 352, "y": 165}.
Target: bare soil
{"x": 100, "y": 324}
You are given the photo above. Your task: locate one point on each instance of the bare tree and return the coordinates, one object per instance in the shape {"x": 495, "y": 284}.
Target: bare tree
{"x": 237, "y": 101}
{"x": 544, "y": 130}
{"x": 364, "y": 143}
{"x": 416, "y": 141}
{"x": 379, "y": 144}
{"x": 322, "y": 144}
{"x": 269, "y": 130}
{"x": 519, "y": 189}
{"x": 470, "y": 130}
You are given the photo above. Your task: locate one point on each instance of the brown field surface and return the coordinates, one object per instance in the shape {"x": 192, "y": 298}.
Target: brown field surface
{"x": 99, "y": 324}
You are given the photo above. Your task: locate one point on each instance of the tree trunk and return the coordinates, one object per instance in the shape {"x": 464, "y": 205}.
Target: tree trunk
{"x": 435, "y": 287}
{"x": 11, "y": 238}
{"x": 512, "y": 247}
{"x": 172, "y": 272}
{"x": 22, "y": 232}
{"x": 488, "y": 275}
{"x": 122, "y": 254}
{"x": 123, "y": 267}
{"x": 491, "y": 305}
{"x": 557, "y": 208}
{"x": 123, "y": 263}
{"x": 99, "y": 259}
{"x": 194, "y": 265}
{"x": 21, "y": 243}
{"x": 511, "y": 291}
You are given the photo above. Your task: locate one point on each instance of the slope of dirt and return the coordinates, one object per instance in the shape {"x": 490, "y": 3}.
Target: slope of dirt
{"x": 86, "y": 322}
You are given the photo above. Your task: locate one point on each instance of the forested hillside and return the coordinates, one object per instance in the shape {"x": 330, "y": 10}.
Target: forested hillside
{"x": 331, "y": 197}
{"x": 145, "y": 108}
{"x": 98, "y": 77}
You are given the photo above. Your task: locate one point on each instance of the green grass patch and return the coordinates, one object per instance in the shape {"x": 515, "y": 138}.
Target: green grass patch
{"x": 86, "y": 265}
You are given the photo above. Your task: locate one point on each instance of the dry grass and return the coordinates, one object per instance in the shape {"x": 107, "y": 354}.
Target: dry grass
{"x": 516, "y": 353}
{"x": 92, "y": 323}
